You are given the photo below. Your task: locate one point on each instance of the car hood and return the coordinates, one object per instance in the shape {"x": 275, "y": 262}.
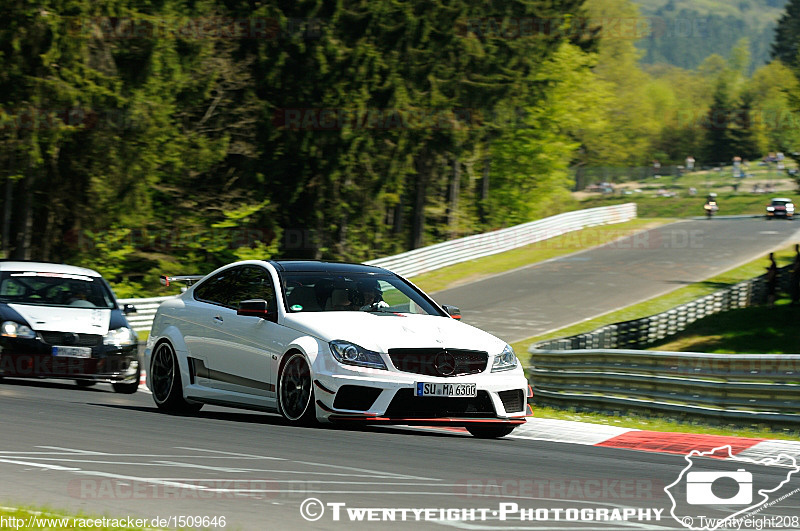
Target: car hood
{"x": 63, "y": 319}
{"x": 381, "y": 331}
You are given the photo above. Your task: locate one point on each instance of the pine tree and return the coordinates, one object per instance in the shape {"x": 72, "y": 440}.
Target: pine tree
{"x": 786, "y": 46}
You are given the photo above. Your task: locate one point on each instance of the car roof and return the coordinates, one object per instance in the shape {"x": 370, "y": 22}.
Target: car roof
{"x": 326, "y": 267}
{"x": 782, "y": 199}
{"x": 46, "y": 267}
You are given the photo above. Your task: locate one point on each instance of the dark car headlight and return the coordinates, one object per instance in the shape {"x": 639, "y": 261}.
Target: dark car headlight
{"x": 120, "y": 337}
{"x": 505, "y": 361}
{"x": 14, "y": 329}
{"x": 351, "y": 354}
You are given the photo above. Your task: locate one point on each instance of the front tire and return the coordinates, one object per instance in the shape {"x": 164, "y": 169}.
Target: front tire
{"x": 127, "y": 388}
{"x": 490, "y": 431}
{"x": 85, "y": 383}
{"x": 296, "y": 392}
{"x": 165, "y": 379}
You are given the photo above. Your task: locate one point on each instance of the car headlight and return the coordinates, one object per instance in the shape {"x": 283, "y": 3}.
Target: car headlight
{"x": 505, "y": 361}
{"x": 770, "y": 209}
{"x": 351, "y": 354}
{"x": 120, "y": 337}
{"x": 14, "y": 329}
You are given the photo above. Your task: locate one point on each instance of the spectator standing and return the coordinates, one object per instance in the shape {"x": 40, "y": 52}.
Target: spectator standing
{"x": 689, "y": 163}
{"x": 737, "y": 167}
{"x": 795, "y": 284}
{"x": 772, "y": 280}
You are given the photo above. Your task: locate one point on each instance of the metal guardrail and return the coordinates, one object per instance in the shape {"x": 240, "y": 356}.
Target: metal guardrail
{"x": 639, "y": 333}
{"x": 146, "y": 309}
{"x": 460, "y": 250}
{"x": 759, "y": 387}
{"x": 454, "y": 251}
{"x": 586, "y": 369}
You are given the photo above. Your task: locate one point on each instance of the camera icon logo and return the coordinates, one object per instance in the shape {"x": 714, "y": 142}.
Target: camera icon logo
{"x": 700, "y": 487}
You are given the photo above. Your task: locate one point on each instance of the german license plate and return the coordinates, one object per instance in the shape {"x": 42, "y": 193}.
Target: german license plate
{"x": 72, "y": 352}
{"x": 446, "y": 389}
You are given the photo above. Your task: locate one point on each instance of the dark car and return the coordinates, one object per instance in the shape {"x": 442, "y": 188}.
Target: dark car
{"x": 780, "y": 207}
{"x": 61, "y": 321}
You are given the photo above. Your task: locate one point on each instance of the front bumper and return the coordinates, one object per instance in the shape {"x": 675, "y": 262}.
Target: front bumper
{"x": 33, "y": 358}
{"x": 388, "y": 397}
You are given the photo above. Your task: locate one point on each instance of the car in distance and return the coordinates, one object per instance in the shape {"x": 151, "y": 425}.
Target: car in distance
{"x": 62, "y": 321}
{"x": 780, "y": 207}
{"x": 330, "y": 342}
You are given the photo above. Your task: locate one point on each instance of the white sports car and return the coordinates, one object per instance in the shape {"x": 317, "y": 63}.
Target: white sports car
{"x": 330, "y": 342}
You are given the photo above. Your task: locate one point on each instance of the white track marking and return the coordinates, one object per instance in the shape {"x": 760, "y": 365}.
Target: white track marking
{"x": 202, "y": 467}
{"x": 232, "y": 454}
{"x": 366, "y": 470}
{"x": 39, "y": 465}
{"x": 72, "y": 450}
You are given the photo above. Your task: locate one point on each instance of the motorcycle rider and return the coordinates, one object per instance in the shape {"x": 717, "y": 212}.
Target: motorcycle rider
{"x": 711, "y": 206}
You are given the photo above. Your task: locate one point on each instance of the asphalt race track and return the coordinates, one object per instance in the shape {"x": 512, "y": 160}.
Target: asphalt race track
{"x": 107, "y": 454}
{"x": 547, "y": 296}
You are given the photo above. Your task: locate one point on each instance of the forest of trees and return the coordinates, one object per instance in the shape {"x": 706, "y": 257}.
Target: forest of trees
{"x": 174, "y": 136}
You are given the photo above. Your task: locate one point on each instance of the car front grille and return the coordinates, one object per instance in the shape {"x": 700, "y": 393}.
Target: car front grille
{"x": 513, "y": 400}
{"x": 439, "y": 361}
{"x": 405, "y": 405}
{"x": 71, "y": 339}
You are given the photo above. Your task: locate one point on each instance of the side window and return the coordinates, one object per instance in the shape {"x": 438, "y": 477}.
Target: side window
{"x": 216, "y": 289}
{"x": 253, "y": 282}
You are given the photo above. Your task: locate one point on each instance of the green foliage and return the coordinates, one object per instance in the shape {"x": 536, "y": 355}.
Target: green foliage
{"x": 685, "y": 32}
{"x": 786, "y": 47}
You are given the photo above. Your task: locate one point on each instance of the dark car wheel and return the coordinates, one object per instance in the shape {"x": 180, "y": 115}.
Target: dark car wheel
{"x": 85, "y": 383}
{"x": 128, "y": 388}
{"x": 295, "y": 391}
{"x": 490, "y": 431}
{"x": 165, "y": 380}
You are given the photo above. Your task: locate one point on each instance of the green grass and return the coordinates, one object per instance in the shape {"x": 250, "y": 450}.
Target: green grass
{"x": 655, "y": 423}
{"x": 665, "y": 302}
{"x": 448, "y": 277}
{"x": 755, "y": 330}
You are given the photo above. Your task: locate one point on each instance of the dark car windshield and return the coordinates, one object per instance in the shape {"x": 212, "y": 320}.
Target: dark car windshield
{"x": 54, "y": 289}
{"x": 324, "y": 292}
{"x": 780, "y": 203}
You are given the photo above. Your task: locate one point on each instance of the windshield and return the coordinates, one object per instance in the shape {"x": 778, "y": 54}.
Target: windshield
{"x": 54, "y": 289}
{"x": 323, "y": 292}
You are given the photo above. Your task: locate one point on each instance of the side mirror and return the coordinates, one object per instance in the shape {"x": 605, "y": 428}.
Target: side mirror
{"x": 255, "y": 308}
{"x": 129, "y": 308}
{"x": 454, "y": 312}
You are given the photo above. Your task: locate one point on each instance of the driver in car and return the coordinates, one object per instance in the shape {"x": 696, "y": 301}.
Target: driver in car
{"x": 371, "y": 295}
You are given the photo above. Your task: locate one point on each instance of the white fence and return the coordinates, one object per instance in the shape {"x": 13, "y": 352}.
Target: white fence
{"x": 453, "y": 252}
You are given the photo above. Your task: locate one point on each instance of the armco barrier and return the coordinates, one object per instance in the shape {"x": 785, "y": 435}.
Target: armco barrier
{"x": 757, "y": 387}
{"x": 145, "y": 311}
{"x": 454, "y": 251}
{"x": 639, "y": 333}
{"x": 585, "y": 370}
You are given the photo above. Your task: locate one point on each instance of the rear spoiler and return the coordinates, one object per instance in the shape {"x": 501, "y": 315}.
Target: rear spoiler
{"x": 186, "y": 279}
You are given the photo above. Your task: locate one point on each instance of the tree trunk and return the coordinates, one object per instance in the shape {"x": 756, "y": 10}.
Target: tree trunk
{"x": 482, "y": 208}
{"x": 22, "y": 251}
{"x": 420, "y": 193}
{"x": 9, "y": 204}
{"x": 452, "y": 206}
